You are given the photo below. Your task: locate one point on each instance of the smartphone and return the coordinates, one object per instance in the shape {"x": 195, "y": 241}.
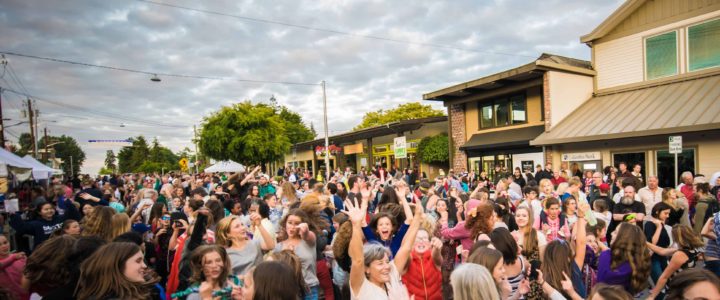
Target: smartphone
{"x": 178, "y": 224}
{"x": 534, "y": 266}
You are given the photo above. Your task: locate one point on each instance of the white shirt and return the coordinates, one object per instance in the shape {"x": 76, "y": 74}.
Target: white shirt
{"x": 650, "y": 198}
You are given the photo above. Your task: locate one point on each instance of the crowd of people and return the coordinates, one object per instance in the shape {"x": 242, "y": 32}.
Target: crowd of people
{"x": 376, "y": 234}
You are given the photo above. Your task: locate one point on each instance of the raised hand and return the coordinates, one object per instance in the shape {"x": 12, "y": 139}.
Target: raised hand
{"x": 356, "y": 212}
{"x": 436, "y": 243}
{"x": 303, "y": 229}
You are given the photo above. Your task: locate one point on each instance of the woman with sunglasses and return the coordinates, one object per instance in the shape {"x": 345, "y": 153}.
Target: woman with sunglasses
{"x": 162, "y": 246}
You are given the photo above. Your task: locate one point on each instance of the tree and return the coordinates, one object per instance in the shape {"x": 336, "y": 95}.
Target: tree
{"x": 143, "y": 158}
{"x": 63, "y": 146}
{"x": 294, "y": 127}
{"x": 105, "y": 171}
{"x": 244, "y": 132}
{"x": 110, "y": 160}
{"x": 407, "y": 111}
{"x": 131, "y": 157}
{"x": 434, "y": 149}
{"x": 25, "y": 141}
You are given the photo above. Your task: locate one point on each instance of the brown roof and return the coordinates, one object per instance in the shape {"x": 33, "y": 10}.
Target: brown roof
{"x": 501, "y": 139}
{"x": 679, "y": 106}
{"x": 366, "y": 133}
{"x": 535, "y": 69}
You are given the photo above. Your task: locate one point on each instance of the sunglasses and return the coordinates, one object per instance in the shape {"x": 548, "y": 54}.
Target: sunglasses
{"x": 166, "y": 218}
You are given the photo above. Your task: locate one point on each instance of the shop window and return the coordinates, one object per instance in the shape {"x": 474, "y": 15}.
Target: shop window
{"x": 661, "y": 55}
{"x": 703, "y": 41}
{"x": 503, "y": 111}
{"x": 666, "y": 166}
{"x": 631, "y": 159}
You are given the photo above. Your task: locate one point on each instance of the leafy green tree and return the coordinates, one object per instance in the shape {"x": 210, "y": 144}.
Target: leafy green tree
{"x": 244, "y": 132}
{"x": 434, "y": 149}
{"x": 105, "y": 171}
{"x": 407, "y": 111}
{"x": 63, "y": 146}
{"x": 295, "y": 129}
{"x": 25, "y": 141}
{"x": 131, "y": 157}
{"x": 110, "y": 160}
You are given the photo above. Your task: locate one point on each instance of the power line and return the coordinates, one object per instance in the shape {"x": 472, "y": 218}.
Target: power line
{"x": 333, "y": 31}
{"x": 106, "y": 114}
{"x": 155, "y": 73}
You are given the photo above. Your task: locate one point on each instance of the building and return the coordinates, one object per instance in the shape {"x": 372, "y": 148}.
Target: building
{"x": 493, "y": 119}
{"x": 369, "y": 147}
{"x": 657, "y": 76}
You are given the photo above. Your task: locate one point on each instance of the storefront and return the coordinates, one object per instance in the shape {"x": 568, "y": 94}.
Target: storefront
{"x": 509, "y": 148}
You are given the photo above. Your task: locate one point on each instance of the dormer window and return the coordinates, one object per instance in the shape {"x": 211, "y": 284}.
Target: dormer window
{"x": 661, "y": 55}
{"x": 704, "y": 45}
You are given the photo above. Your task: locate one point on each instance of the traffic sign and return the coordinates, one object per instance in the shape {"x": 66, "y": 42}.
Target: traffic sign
{"x": 675, "y": 144}
{"x": 183, "y": 163}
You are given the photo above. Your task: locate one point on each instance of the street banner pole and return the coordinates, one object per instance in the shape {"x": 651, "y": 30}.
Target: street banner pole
{"x": 327, "y": 141}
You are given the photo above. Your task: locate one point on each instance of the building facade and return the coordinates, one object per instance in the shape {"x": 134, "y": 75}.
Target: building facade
{"x": 369, "y": 147}
{"x": 658, "y": 75}
{"x": 493, "y": 119}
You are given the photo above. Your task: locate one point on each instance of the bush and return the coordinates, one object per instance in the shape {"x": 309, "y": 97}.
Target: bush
{"x": 434, "y": 149}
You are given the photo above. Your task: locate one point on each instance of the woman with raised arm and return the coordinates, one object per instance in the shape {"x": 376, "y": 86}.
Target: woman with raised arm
{"x": 373, "y": 275}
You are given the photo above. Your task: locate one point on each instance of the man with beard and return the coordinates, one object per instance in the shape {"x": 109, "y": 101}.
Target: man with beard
{"x": 628, "y": 210}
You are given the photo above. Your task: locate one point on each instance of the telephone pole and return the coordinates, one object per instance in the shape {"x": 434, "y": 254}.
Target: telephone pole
{"x": 31, "y": 118}
{"x": 2, "y": 126}
{"x": 46, "y": 156}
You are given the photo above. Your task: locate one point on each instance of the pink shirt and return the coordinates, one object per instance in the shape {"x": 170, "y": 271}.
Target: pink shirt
{"x": 459, "y": 232}
{"x": 11, "y": 272}
{"x": 555, "y": 229}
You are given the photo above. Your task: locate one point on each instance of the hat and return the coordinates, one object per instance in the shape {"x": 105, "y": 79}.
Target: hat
{"x": 604, "y": 187}
{"x": 140, "y": 228}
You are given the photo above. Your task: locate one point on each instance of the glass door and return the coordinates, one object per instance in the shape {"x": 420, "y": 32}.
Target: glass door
{"x": 666, "y": 166}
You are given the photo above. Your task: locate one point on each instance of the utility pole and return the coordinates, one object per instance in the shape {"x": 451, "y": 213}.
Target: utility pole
{"x": 46, "y": 156}
{"x": 31, "y": 112}
{"x": 195, "y": 140}
{"x": 327, "y": 146}
{"x": 72, "y": 175}
{"x": 2, "y": 126}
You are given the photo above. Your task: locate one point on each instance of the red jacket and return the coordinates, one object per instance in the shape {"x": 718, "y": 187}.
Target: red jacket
{"x": 423, "y": 279}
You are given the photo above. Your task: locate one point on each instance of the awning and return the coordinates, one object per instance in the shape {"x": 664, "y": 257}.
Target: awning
{"x": 40, "y": 171}
{"x": 225, "y": 166}
{"x": 681, "y": 106}
{"x": 503, "y": 139}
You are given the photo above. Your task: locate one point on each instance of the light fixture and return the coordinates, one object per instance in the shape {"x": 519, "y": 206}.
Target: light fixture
{"x": 155, "y": 78}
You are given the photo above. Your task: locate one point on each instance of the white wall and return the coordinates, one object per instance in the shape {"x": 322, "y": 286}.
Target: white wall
{"x": 621, "y": 61}
{"x": 567, "y": 92}
{"x": 537, "y": 158}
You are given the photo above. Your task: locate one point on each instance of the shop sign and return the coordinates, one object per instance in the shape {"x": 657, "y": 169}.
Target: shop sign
{"x": 353, "y": 149}
{"x": 400, "y": 148}
{"x": 581, "y": 156}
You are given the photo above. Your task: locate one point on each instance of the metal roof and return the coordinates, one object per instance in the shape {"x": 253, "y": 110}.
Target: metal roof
{"x": 366, "y": 133}
{"x": 677, "y": 106}
{"x": 535, "y": 69}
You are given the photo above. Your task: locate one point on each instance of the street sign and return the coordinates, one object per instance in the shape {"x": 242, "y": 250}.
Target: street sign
{"x": 675, "y": 144}
{"x": 400, "y": 148}
{"x": 183, "y": 163}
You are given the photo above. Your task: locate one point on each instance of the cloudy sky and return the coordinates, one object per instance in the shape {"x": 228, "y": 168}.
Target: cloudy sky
{"x": 472, "y": 39}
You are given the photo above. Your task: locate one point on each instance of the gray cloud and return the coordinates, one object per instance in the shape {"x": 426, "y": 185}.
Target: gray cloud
{"x": 362, "y": 74}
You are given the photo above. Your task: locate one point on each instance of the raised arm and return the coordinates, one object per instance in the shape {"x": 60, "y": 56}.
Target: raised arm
{"x": 249, "y": 176}
{"x": 401, "y": 193}
{"x": 677, "y": 260}
{"x": 581, "y": 238}
{"x": 402, "y": 255}
{"x": 355, "y": 250}
{"x": 267, "y": 242}
{"x": 660, "y": 250}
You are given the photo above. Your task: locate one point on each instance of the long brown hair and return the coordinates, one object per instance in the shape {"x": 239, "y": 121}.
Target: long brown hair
{"x": 120, "y": 224}
{"x": 629, "y": 246}
{"x": 197, "y": 260}
{"x": 102, "y": 274}
{"x": 266, "y": 277}
{"x": 480, "y": 220}
{"x": 291, "y": 259}
{"x": 315, "y": 222}
{"x": 487, "y": 257}
{"x": 686, "y": 238}
{"x": 99, "y": 223}
{"x": 687, "y": 278}
{"x": 222, "y": 231}
{"x": 48, "y": 263}
{"x": 556, "y": 260}
{"x": 530, "y": 237}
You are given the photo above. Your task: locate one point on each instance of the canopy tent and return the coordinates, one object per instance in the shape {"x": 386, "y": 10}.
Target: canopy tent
{"x": 11, "y": 162}
{"x": 40, "y": 171}
{"x": 225, "y": 166}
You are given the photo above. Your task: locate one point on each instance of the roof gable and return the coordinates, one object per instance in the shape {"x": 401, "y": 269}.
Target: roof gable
{"x": 638, "y": 15}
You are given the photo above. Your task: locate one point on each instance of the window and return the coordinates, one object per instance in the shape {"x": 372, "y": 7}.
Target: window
{"x": 703, "y": 41}
{"x": 666, "y": 166}
{"x": 487, "y": 119}
{"x": 519, "y": 109}
{"x": 661, "y": 55}
{"x": 503, "y": 111}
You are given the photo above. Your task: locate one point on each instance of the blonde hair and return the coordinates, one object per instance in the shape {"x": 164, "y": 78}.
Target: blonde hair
{"x": 222, "y": 231}
{"x": 546, "y": 182}
{"x": 472, "y": 281}
{"x": 562, "y": 187}
{"x": 120, "y": 224}
{"x": 98, "y": 223}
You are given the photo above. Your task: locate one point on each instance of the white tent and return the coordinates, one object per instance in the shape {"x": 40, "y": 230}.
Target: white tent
{"x": 14, "y": 163}
{"x": 40, "y": 171}
{"x": 225, "y": 166}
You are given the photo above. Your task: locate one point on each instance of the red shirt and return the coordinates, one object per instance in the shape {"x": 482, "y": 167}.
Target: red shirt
{"x": 687, "y": 190}
{"x": 557, "y": 180}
